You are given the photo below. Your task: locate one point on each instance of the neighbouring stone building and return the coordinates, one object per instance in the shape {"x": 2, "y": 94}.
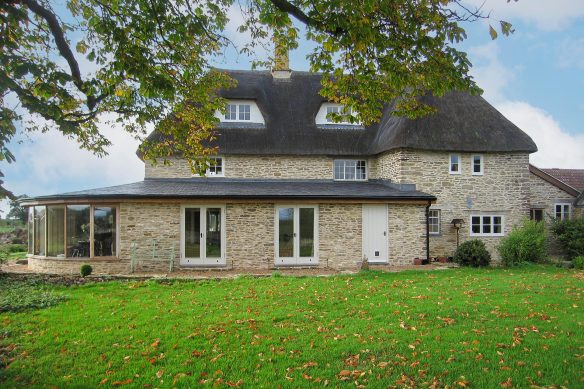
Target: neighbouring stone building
{"x": 291, "y": 188}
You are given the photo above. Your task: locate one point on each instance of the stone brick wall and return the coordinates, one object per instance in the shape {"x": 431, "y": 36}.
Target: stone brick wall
{"x": 250, "y": 235}
{"x": 503, "y": 189}
{"x": 260, "y": 166}
{"x": 544, "y": 195}
{"x": 340, "y": 229}
{"x": 72, "y": 267}
{"x": 154, "y": 228}
{"x": 407, "y": 233}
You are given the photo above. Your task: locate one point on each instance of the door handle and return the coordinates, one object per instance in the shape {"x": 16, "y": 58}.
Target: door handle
{"x": 384, "y": 233}
{"x": 201, "y": 234}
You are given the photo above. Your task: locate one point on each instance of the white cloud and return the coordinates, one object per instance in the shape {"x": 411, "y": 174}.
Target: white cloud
{"x": 546, "y": 15}
{"x": 557, "y": 148}
{"x": 50, "y": 163}
{"x": 489, "y": 72}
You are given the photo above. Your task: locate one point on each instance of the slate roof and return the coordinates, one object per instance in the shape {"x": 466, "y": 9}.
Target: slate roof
{"x": 556, "y": 181}
{"x": 230, "y": 188}
{"x": 289, "y": 106}
{"x": 572, "y": 177}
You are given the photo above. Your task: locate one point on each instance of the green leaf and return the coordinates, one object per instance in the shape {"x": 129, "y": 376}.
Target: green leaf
{"x": 492, "y": 32}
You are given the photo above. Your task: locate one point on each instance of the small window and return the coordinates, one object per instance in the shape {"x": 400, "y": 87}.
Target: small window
{"x": 338, "y": 109}
{"x": 238, "y": 112}
{"x": 350, "y": 170}
{"x": 563, "y": 211}
{"x": 477, "y": 165}
{"x": 536, "y": 214}
{"x": 215, "y": 168}
{"x": 434, "y": 221}
{"x": 486, "y": 225}
{"x": 455, "y": 164}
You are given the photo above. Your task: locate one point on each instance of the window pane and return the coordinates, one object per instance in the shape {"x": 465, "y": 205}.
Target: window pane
{"x": 215, "y": 167}
{"x": 350, "y": 167}
{"x": 306, "y": 232}
{"x": 477, "y": 164}
{"x": 213, "y": 247}
{"x": 497, "y": 224}
{"x": 286, "y": 232}
{"x": 192, "y": 233}
{"x": 78, "y": 230}
{"x": 31, "y": 230}
{"x": 104, "y": 231}
{"x": 486, "y": 224}
{"x": 454, "y": 162}
{"x": 39, "y": 230}
{"x": 361, "y": 170}
{"x": 244, "y": 112}
{"x": 476, "y": 224}
{"x": 231, "y": 112}
{"x": 56, "y": 231}
{"x": 434, "y": 220}
{"x": 339, "y": 170}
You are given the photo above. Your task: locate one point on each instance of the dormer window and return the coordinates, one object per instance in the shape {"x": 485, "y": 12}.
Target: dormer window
{"x": 327, "y": 110}
{"x": 241, "y": 111}
{"x": 337, "y": 109}
{"x": 238, "y": 112}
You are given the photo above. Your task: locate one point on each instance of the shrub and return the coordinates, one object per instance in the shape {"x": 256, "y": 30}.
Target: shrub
{"x": 570, "y": 234}
{"x": 86, "y": 270}
{"x": 25, "y": 294}
{"x": 578, "y": 262}
{"x": 472, "y": 253}
{"x": 14, "y": 248}
{"x": 524, "y": 244}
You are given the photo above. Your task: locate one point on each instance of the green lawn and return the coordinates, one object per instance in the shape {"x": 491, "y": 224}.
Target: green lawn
{"x": 480, "y": 328}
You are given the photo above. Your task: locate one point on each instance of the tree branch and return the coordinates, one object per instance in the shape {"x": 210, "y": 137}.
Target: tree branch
{"x": 62, "y": 46}
{"x": 291, "y": 9}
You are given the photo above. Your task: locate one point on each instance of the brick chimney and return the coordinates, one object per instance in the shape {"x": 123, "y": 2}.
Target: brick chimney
{"x": 281, "y": 67}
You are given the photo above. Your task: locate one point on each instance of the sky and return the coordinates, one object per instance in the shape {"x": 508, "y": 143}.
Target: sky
{"x": 534, "y": 77}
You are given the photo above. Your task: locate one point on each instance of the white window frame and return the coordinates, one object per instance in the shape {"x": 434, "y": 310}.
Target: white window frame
{"x": 210, "y": 173}
{"x": 322, "y": 116}
{"x": 255, "y": 115}
{"x": 482, "y": 224}
{"x": 482, "y": 165}
{"x": 296, "y": 259}
{"x": 437, "y": 218}
{"x": 563, "y": 205}
{"x": 345, "y": 167}
{"x": 459, "y": 171}
{"x": 203, "y": 261}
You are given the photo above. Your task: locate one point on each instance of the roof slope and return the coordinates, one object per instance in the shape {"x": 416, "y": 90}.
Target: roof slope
{"x": 572, "y": 177}
{"x": 552, "y": 179}
{"x": 223, "y": 188}
{"x": 289, "y": 106}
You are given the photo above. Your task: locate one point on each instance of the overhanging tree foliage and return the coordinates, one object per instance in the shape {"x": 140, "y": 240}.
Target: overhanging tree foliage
{"x": 68, "y": 65}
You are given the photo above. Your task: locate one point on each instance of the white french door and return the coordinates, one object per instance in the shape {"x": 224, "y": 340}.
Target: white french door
{"x": 202, "y": 235}
{"x": 296, "y": 237}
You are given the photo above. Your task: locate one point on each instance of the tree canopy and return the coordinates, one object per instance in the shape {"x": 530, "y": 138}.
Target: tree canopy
{"x": 68, "y": 65}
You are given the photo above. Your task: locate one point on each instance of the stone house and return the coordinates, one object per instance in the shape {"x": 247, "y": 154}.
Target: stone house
{"x": 291, "y": 188}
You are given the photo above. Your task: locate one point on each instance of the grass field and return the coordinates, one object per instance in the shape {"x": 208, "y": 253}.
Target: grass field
{"x": 457, "y": 328}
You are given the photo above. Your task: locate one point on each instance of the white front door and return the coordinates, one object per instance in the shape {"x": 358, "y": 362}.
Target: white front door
{"x": 296, "y": 235}
{"x": 202, "y": 235}
{"x": 375, "y": 245}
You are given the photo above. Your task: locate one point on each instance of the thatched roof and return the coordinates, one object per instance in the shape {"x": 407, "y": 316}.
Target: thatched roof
{"x": 289, "y": 106}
